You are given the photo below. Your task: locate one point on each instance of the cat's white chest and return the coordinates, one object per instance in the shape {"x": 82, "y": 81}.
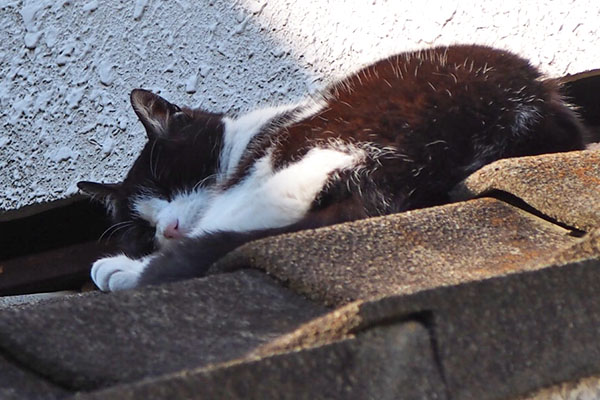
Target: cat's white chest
{"x": 271, "y": 199}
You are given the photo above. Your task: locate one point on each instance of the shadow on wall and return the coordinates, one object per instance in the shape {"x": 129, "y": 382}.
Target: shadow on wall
{"x": 69, "y": 67}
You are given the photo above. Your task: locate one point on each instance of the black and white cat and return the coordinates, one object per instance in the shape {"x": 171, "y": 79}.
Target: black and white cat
{"x": 394, "y": 136}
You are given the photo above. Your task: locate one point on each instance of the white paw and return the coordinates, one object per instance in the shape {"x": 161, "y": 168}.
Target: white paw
{"x": 117, "y": 273}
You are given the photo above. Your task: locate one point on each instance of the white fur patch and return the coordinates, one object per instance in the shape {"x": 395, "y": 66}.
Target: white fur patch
{"x": 239, "y": 132}
{"x": 201, "y": 210}
{"x": 269, "y": 199}
{"x": 149, "y": 207}
{"x": 263, "y": 199}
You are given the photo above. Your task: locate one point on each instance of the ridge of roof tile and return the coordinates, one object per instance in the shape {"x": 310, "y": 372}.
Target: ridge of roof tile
{"x": 563, "y": 186}
{"x": 390, "y": 362}
{"x": 488, "y": 339}
{"x": 405, "y": 253}
{"x": 96, "y": 340}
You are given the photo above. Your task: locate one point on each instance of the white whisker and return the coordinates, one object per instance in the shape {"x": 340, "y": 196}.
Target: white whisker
{"x": 111, "y": 230}
{"x": 202, "y": 181}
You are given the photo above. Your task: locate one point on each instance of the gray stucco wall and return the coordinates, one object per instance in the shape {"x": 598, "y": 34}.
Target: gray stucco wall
{"x": 67, "y": 67}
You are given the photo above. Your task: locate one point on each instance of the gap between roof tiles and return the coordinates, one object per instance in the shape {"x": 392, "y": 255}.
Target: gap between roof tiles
{"x": 32, "y": 371}
{"x": 521, "y": 204}
{"x": 586, "y": 248}
{"x": 562, "y": 186}
{"x": 311, "y": 334}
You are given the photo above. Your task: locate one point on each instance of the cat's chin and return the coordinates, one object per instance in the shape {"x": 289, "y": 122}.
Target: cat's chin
{"x": 164, "y": 244}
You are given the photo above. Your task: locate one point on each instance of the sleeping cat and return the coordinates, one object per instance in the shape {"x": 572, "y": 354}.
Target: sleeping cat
{"x": 394, "y": 136}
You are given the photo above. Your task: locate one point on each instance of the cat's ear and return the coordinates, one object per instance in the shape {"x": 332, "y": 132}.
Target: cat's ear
{"x": 153, "y": 111}
{"x": 103, "y": 192}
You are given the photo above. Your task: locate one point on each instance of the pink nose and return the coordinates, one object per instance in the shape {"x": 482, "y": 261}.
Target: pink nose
{"x": 172, "y": 230}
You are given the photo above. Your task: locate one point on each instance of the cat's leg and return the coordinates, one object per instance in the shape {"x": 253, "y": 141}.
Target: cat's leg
{"x": 192, "y": 257}
{"x": 118, "y": 272}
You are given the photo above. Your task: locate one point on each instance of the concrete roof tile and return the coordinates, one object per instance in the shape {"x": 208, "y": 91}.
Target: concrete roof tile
{"x": 489, "y": 339}
{"x": 95, "y": 340}
{"x": 563, "y": 186}
{"x": 505, "y": 336}
{"x": 390, "y": 362}
{"x": 405, "y": 253}
{"x": 343, "y": 321}
{"x": 588, "y": 247}
{"x": 19, "y": 384}
{"x": 493, "y": 338}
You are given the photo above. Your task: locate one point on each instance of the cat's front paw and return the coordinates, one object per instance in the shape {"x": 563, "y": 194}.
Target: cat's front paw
{"x": 117, "y": 273}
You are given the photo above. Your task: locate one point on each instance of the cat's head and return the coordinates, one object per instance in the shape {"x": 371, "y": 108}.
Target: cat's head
{"x": 165, "y": 191}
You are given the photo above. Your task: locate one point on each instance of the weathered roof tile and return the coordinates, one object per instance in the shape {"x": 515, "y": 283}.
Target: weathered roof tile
{"x": 563, "y": 186}
{"x": 504, "y": 336}
{"x": 96, "y": 340}
{"x": 489, "y": 339}
{"x": 344, "y": 321}
{"x": 391, "y": 362}
{"x": 494, "y": 338}
{"x": 405, "y": 253}
{"x": 18, "y": 384}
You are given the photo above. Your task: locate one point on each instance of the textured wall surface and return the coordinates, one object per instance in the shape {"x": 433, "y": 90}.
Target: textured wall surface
{"x": 67, "y": 67}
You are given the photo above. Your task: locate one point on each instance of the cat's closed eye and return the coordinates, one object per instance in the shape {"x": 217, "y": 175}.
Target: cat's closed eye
{"x": 162, "y": 191}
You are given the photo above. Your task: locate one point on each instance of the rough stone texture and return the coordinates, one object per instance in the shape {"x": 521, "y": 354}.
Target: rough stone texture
{"x": 495, "y": 338}
{"x": 336, "y": 325}
{"x": 512, "y": 334}
{"x": 407, "y": 252}
{"x": 563, "y": 186}
{"x": 388, "y": 362}
{"x": 342, "y": 322}
{"x": 582, "y": 389}
{"x": 586, "y": 248}
{"x": 18, "y": 384}
{"x": 97, "y": 340}
{"x": 492, "y": 339}
{"x": 20, "y": 300}
{"x": 67, "y": 67}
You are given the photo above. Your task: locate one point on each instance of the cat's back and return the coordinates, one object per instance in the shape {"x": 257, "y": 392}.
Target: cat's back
{"x": 461, "y": 95}
{"x": 414, "y": 90}
{"x": 438, "y": 115}
{"x": 439, "y": 70}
